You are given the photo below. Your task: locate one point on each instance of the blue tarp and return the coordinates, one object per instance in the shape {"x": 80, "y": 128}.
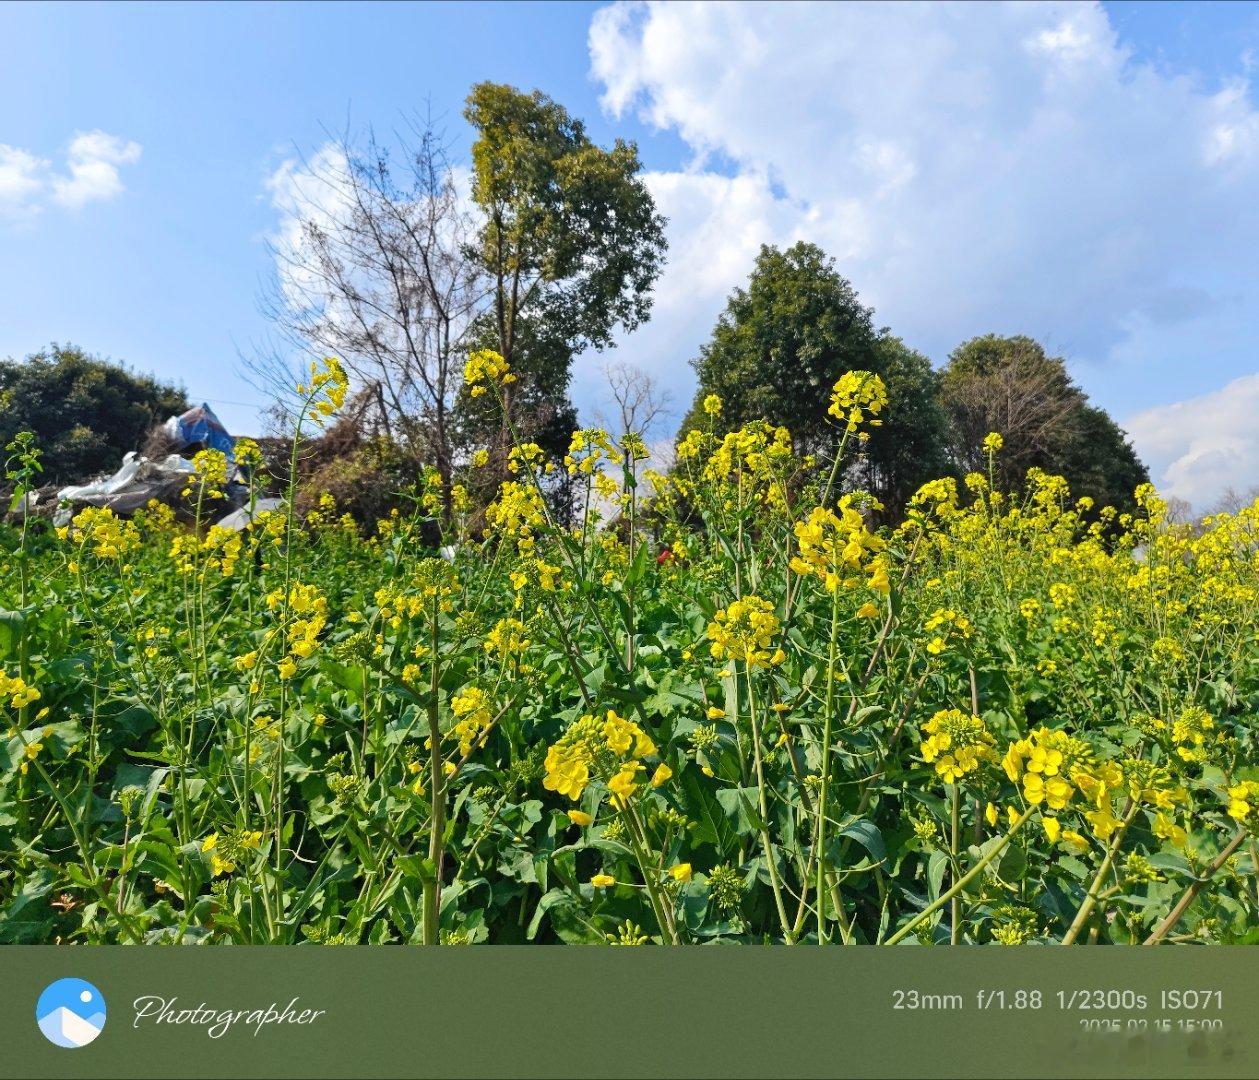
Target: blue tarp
{"x": 200, "y": 425}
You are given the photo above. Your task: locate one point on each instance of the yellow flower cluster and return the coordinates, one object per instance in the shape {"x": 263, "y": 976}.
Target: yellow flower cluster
{"x": 588, "y": 449}
{"x": 209, "y": 475}
{"x": 607, "y": 749}
{"x": 102, "y": 532}
{"x": 16, "y": 692}
{"x": 431, "y": 584}
{"x": 248, "y": 455}
{"x": 934, "y": 502}
{"x": 747, "y": 467}
{"x": 508, "y": 638}
{"x": 757, "y": 448}
{"x": 485, "y": 366}
{"x": 946, "y": 625}
{"x": 1190, "y": 732}
{"x": 836, "y": 547}
{"x": 548, "y": 576}
{"x": 226, "y": 850}
{"x": 857, "y": 398}
{"x": 326, "y": 392}
{"x": 1054, "y": 767}
{"x": 1101, "y": 818}
{"x": 1144, "y": 783}
{"x": 531, "y": 456}
{"x": 517, "y": 512}
{"x": 958, "y": 743}
{"x": 323, "y": 518}
{"x": 1243, "y": 803}
{"x": 744, "y": 631}
{"x": 220, "y": 550}
{"x": 154, "y": 518}
{"x": 473, "y": 717}
{"x": 1044, "y": 760}
{"x": 307, "y": 610}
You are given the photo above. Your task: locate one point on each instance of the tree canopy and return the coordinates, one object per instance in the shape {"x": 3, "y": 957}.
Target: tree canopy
{"x": 911, "y": 446}
{"x": 86, "y": 412}
{"x": 570, "y": 239}
{"x": 1010, "y": 385}
{"x": 785, "y": 339}
{"x": 781, "y": 343}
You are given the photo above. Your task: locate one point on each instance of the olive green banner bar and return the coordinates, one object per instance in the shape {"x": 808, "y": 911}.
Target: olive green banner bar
{"x": 647, "y": 1012}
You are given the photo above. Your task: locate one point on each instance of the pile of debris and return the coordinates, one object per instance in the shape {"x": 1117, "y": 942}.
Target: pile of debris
{"x": 159, "y": 473}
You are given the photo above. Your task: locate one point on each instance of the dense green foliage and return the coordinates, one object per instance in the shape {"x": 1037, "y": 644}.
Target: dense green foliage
{"x": 799, "y": 325}
{"x": 1012, "y": 386}
{"x": 769, "y": 721}
{"x": 572, "y": 244}
{"x": 85, "y": 412}
{"x": 781, "y": 343}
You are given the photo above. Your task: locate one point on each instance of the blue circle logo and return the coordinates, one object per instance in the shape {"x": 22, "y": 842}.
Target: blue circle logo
{"x": 70, "y": 1013}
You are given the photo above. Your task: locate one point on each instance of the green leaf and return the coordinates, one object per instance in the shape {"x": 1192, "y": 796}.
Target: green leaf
{"x": 416, "y": 866}
{"x": 639, "y": 566}
{"x": 1012, "y": 866}
{"x": 712, "y": 826}
{"x": 549, "y": 900}
{"x": 740, "y": 806}
{"x": 348, "y": 678}
{"x": 11, "y": 626}
{"x": 937, "y": 867}
{"x": 867, "y": 834}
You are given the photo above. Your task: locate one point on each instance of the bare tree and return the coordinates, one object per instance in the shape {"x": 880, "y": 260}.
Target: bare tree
{"x": 1030, "y": 401}
{"x": 1179, "y": 511}
{"x": 1231, "y": 501}
{"x": 640, "y": 401}
{"x": 374, "y": 268}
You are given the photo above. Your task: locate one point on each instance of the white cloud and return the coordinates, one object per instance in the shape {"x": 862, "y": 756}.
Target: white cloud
{"x": 93, "y": 159}
{"x": 972, "y": 168}
{"x": 28, "y": 183}
{"x": 320, "y": 249}
{"x": 1199, "y": 447}
{"x": 20, "y": 183}
{"x": 305, "y": 192}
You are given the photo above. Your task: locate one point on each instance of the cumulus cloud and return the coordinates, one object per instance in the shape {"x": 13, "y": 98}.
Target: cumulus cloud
{"x": 93, "y": 159}
{"x": 29, "y": 183}
{"x": 20, "y": 183}
{"x": 972, "y": 168}
{"x": 306, "y": 192}
{"x": 1200, "y": 447}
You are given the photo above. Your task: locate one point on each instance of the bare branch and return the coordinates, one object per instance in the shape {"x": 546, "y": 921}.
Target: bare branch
{"x": 640, "y": 401}
{"x": 372, "y": 267}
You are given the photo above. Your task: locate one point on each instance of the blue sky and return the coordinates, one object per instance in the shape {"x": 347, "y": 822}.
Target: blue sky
{"x": 1108, "y": 237}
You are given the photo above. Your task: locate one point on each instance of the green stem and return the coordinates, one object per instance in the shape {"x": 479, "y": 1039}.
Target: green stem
{"x": 437, "y": 805}
{"x": 1182, "y": 905}
{"x": 824, "y": 791}
{"x": 955, "y": 905}
{"x": 664, "y": 918}
{"x": 963, "y": 881}
{"x": 770, "y": 855}
{"x": 1094, "y": 892}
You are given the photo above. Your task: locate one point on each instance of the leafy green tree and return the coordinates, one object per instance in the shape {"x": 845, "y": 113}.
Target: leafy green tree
{"x": 1010, "y": 385}
{"x": 1100, "y": 462}
{"x": 571, "y": 241}
{"x": 911, "y": 446}
{"x": 86, "y": 412}
{"x": 781, "y": 344}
